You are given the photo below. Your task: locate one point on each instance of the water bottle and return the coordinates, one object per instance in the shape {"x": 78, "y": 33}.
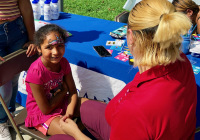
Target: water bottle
{"x": 36, "y": 10}
{"x": 42, "y": 7}
{"x": 47, "y": 10}
{"x": 59, "y": 8}
{"x": 54, "y": 9}
{"x": 39, "y": 10}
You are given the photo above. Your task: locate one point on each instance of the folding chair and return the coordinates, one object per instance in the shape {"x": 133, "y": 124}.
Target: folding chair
{"x": 15, "y": 63}
{"x": 20, "y": 118}
{"x": 122, "y": 17}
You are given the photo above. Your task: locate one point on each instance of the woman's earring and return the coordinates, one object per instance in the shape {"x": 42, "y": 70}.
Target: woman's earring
{"x": 130, "y": 45}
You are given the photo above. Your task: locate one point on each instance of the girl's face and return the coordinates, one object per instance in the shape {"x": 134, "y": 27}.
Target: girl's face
{"x": 52, "y": 49}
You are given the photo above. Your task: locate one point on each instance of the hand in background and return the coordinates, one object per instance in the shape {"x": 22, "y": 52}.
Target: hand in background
{"x": 1, "y": 58}
{"x": 32, "y": 49}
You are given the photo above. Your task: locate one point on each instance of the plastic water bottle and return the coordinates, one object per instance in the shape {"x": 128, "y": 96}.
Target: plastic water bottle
{"x": 42, "y": 7}
{"x": 39, "y": 10}
{"x": 54, "y": 9}
{"x": 59, "y": 8}
{"x": 36, "y": 9}
{"x": 47, "y": 10}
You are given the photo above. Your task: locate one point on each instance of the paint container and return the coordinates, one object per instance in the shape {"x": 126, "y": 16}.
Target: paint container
{"x": 195, "y": 55}
{"x": 195, "y": 48}
{"x": 185, "y": 44}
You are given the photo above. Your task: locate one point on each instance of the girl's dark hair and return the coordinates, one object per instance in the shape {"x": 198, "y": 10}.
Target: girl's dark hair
{"x": 41, "y": 34}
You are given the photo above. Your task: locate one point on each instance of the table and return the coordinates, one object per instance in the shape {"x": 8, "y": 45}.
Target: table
{"x": 95, "y": 77}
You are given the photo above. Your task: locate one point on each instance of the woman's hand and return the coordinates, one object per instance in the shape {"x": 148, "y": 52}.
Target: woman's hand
{"x": 32, "y": 49}
{"x": 69, "y": 126}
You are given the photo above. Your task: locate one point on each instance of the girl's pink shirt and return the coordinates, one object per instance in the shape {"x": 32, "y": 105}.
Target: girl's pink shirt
{"x": 39, "y": 74}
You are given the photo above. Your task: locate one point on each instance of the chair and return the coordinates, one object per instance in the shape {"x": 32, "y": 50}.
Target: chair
{"x": 61, "y": 5}
{"x": 122, "y": 17}
{"x": 19, "y": 119}
{"x": 15, "y": 63}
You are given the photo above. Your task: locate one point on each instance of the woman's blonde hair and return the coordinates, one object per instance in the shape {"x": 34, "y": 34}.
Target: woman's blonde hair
{"x": 157, "y": 29}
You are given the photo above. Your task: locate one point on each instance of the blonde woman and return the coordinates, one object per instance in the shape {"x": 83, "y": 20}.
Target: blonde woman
{"x": 191, "y": 9}
{"x": 160, "y": 102}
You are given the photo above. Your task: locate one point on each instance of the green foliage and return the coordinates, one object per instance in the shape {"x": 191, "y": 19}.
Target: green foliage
{"x": 104, "y": 9}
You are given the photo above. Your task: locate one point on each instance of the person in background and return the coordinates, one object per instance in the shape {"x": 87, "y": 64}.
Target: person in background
{"x": 16, "y": 31}
{"x": 198, "y": 21}
{"x": 160, "y": 102}
{"x": 191, "y": 9}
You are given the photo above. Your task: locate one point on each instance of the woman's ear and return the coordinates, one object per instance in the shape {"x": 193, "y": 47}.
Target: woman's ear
{"x": 189, "y": 13}
{"x": 130, "y": 37}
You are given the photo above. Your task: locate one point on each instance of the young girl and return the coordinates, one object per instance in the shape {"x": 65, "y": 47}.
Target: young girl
{"x": 16, "y": 30}
{"x": 51, "y": 89}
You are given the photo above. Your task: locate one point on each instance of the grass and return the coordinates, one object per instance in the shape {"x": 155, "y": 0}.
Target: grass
{"x": 104, "y": 9}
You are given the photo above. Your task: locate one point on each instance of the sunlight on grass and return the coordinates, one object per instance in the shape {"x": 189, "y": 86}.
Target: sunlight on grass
{"x": 104, "y": 9}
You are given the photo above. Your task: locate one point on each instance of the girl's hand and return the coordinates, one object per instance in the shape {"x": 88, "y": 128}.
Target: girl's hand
{"x": 69, "y": 114}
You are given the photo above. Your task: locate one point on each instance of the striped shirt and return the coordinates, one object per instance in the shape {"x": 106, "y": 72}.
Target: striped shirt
{"x": 9, "y": 9}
